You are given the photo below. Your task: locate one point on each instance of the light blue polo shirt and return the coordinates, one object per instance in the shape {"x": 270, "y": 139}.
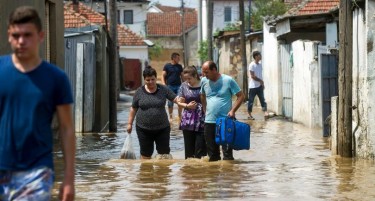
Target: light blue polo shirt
{"x": 218, "y": 96}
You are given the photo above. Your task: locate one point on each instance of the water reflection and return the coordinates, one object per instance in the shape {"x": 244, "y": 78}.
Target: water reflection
{"x": 286, "y": 162}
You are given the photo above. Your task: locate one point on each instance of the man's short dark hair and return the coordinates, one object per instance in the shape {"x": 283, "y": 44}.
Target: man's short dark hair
{"x": 212, "y": 65}
{"x": 256, "y": 53}
{"x": 174, "y": 54}
{"x": 23, "y": 15}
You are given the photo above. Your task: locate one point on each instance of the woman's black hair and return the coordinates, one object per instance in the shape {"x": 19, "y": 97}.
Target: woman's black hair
{"x": 149, "y": 72}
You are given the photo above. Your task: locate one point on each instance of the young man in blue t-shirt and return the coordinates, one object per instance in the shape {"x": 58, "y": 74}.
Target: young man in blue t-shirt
{"x": 216, "y": 96}
{"x": 31, "y": 91}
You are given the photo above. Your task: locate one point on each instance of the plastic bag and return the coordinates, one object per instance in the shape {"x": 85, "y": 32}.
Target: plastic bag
{"x": 127, "y": 151}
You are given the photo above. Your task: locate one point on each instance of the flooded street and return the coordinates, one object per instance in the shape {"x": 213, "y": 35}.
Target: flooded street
{"x": 287, "y": 161}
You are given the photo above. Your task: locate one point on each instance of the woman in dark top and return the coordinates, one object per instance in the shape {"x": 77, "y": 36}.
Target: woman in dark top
{"x": 152, "y": 125}
{"x": 192, "y": 118}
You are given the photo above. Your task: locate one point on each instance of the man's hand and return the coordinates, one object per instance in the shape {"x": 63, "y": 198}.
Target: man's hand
{"x": 66, "y": 191}
{"x": 231, "y": 114}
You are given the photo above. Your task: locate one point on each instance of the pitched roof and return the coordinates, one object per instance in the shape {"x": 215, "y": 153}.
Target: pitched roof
{"x": 169, "y": 23}
{"x": 318, "y": 6}
{"x": 73, "y": 19}
{"x": 126, "y": 37}
{"x": 310, "y": 7}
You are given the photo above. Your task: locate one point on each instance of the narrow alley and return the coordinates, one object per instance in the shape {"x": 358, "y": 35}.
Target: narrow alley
{"x": 287, "y": 161}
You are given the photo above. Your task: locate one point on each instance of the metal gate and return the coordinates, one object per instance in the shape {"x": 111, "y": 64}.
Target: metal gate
{"x": 329, "y": 69}
{"x": 287, "y": 79}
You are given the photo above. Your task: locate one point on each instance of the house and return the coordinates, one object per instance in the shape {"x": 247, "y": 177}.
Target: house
{"x": 87, "y": 64}
{"x": 131, "y": 13}
{"x": 131, "y": 46}
{"x": 51, "y": 13}
{"x": 225, "y": 13}
{"x": 228, "y": 48}
{"x": 299, "y": 65}
{"x": 165, "y": 28}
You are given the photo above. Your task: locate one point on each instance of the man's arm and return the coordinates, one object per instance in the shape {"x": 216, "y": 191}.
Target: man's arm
{"x": 68, "y": 144}
{"x": 163, "y": 76}
{"x": 237, "y": 104}
{"x": 204, "y": 102}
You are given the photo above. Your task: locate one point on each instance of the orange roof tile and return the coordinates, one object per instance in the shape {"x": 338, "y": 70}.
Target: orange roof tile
{"x": 169, "y": 23}
{"x": 125, "y": 36}
{"x": 318, "y": 6}
{"x": 309, "y": 7}
{"x": 128, "y": 38}
{"x": 74, "y": 20}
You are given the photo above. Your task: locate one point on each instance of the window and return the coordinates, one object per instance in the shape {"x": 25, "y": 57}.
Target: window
{"x": 227, "y": 14}
{"x": 128, "y": 16}
{"x": 118, "y": 17}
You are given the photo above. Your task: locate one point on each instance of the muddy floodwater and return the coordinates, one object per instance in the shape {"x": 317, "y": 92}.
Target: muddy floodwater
{"x": 287, "y": 161}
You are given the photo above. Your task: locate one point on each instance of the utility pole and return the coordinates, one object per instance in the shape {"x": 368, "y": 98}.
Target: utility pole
{"x": 183, "y": 33}
{"x": 209, "y": 28}
{"x": 113, "y": 65}
{"x": 199, "y": 27}
{"x": 243, "y": 47}
{"x": 345, "y": 136}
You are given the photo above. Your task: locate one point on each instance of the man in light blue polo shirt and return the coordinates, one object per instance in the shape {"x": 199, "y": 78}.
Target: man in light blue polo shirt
{"x": 216, "y": 96}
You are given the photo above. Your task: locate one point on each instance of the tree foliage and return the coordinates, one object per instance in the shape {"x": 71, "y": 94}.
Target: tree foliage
{"x": 155, "y": 50}
{"x": 203, "y": 50}
{"x": 263, "y": 8}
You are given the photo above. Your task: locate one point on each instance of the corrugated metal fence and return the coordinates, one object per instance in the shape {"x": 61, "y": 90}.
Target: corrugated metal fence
{"x": 80, "y": 68}
{"x": 287, "y": 79}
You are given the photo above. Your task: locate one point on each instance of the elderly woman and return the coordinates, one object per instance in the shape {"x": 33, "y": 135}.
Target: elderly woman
{"x": 152, "y": 125}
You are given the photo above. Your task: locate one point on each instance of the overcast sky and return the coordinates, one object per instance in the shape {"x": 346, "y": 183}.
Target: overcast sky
{"x": 177, "y": 3}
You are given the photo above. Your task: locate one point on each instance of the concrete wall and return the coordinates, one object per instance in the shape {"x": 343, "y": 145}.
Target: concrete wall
{"x": 306, "y": 90}
{"x": 364, "y": 81}
{"x": 271, "y": 71}
{"x": 56, "y": 35}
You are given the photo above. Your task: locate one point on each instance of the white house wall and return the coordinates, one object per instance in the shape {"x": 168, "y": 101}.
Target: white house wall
{"x": 306, "y": 92}
{"x": 364, "y": 81}
{"x": 218, "y": 12}
{"x": 139, "y": 16}
{"x": 271, "y": 71}
{"x": 134, "y": 52}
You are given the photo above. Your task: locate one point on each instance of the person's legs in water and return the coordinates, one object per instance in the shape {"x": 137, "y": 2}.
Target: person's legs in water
{"x": 213, "y": 150}
{"x": 146, "y": 142}
{"x": 263, "y": 103}
{"x": 200, "y": 145}
{"x": 252, "y": 94}
{"x": 227, "y": 152}
{"x": 189, "y": 143}
{"x": 162, "y": 138}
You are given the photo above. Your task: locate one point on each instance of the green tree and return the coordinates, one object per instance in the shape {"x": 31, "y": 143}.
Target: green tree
{"x": 263, "y": 8}
{"x": 203, "y": 50}
{"x": 155, "y": 50}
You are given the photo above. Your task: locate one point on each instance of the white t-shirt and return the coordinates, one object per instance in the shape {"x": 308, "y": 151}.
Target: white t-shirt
{"x": 257, "y": 69}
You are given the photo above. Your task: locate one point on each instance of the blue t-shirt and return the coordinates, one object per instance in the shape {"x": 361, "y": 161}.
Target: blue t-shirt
{"x": 27, "y": 104}
{"x": 173, "y": 74}
{"x": 218, "y": 96}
